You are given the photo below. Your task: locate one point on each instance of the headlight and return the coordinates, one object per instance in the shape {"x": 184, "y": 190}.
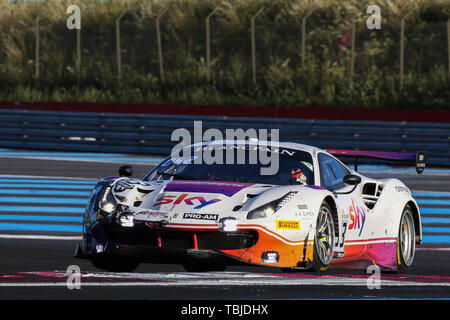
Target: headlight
{"x": 261, "y": 212}
{"x": 227, "y": 224}
{"x": 107, "y": 201}
{"x": 270, "y": 208}
{"x": 108, "y": 207}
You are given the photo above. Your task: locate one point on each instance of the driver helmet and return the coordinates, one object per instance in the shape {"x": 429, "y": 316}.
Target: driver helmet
{"x": 299, "y": 176}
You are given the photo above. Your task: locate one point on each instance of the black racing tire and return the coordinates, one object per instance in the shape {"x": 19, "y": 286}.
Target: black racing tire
{"x": 322, "y": 256}
{"x": 115, "y": 265}
{"x": 406, "y": 241}
{"x": 204, "y": 267}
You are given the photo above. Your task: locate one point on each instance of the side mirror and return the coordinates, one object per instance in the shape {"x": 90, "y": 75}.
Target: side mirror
{"x": 352, "y": 179}
{"x": 126, "y": 171}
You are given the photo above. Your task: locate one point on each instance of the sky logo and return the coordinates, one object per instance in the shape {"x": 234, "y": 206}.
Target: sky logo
{"x": 183, "y": 198}
{"x": 357, "y": 217}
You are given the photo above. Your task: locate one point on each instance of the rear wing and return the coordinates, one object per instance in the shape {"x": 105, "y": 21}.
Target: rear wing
{"x": 418, "y": 158}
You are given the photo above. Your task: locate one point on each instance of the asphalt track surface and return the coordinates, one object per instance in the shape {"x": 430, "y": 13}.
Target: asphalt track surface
{"x": 37, "y": 268}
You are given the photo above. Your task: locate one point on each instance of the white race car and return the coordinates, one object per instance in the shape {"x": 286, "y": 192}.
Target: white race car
{"x": 313, "y": 213}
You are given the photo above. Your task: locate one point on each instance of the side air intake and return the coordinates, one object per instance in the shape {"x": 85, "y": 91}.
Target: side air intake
{"x": 370, "y": 194}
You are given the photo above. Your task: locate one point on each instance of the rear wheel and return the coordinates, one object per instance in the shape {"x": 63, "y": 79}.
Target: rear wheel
{"x": 406, "y": 242}
{"x": 323, "y": 239}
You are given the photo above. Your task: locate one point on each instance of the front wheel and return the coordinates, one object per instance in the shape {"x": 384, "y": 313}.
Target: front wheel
{"x": 323, "y": 239}
{"x": 406, "y": 242}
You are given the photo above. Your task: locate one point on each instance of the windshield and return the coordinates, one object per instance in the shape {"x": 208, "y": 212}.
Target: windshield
{"x": 295, "y": 167}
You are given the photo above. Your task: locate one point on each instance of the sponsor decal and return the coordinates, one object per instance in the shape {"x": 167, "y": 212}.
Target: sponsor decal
{"x": 288, "y": 224}
{"x": 401, "y": 189}
{"x": 307, "y": 214}
{"x": 198, "y": 201}
{"x": 153, "y": 213}
{"x": 282, "y": 151}
{"x": 201, "y": 216}
{"x": 178, "y": 161}
{"x": 150, "y": 216}
{"x": 105, "y": 194}
{"x": 122, "y": 185}
{"x": 302, "y": 213}
{"x": 357, "y": 217}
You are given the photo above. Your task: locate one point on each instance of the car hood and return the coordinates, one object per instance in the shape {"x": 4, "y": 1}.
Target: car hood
{"x": 154, "y": 200}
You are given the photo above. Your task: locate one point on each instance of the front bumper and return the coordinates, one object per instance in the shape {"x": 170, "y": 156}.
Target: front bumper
{"x": 149, "y": 243}
{"x": 150, "y": 254}
{"x": 157, "y": 245}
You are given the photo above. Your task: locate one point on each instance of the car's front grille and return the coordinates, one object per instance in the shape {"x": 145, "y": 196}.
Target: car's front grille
{"x": 206, "y": 240}
{"x": 226, "y": 240}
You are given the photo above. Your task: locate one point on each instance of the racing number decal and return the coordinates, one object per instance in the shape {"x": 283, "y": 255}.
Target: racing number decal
{"x": 344, "y": 225}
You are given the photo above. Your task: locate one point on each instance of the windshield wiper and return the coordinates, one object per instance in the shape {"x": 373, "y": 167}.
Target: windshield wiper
{"x": 176, "y": 176}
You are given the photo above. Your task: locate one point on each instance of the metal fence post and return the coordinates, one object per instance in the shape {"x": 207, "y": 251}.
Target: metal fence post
{"x": 118, "y": 50}
{"x": 78, "y": 57}
{"x": 304, "y": 37}
{"x": 254, "y": 44}
{"x": 158, "y": 40}
{"x": 352, "y": 61}
{"x": 36, "y": 53}
{"x": 208, "y": 44}
{"x": 78, "y": 62}
{"x": 402, "y": 46}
